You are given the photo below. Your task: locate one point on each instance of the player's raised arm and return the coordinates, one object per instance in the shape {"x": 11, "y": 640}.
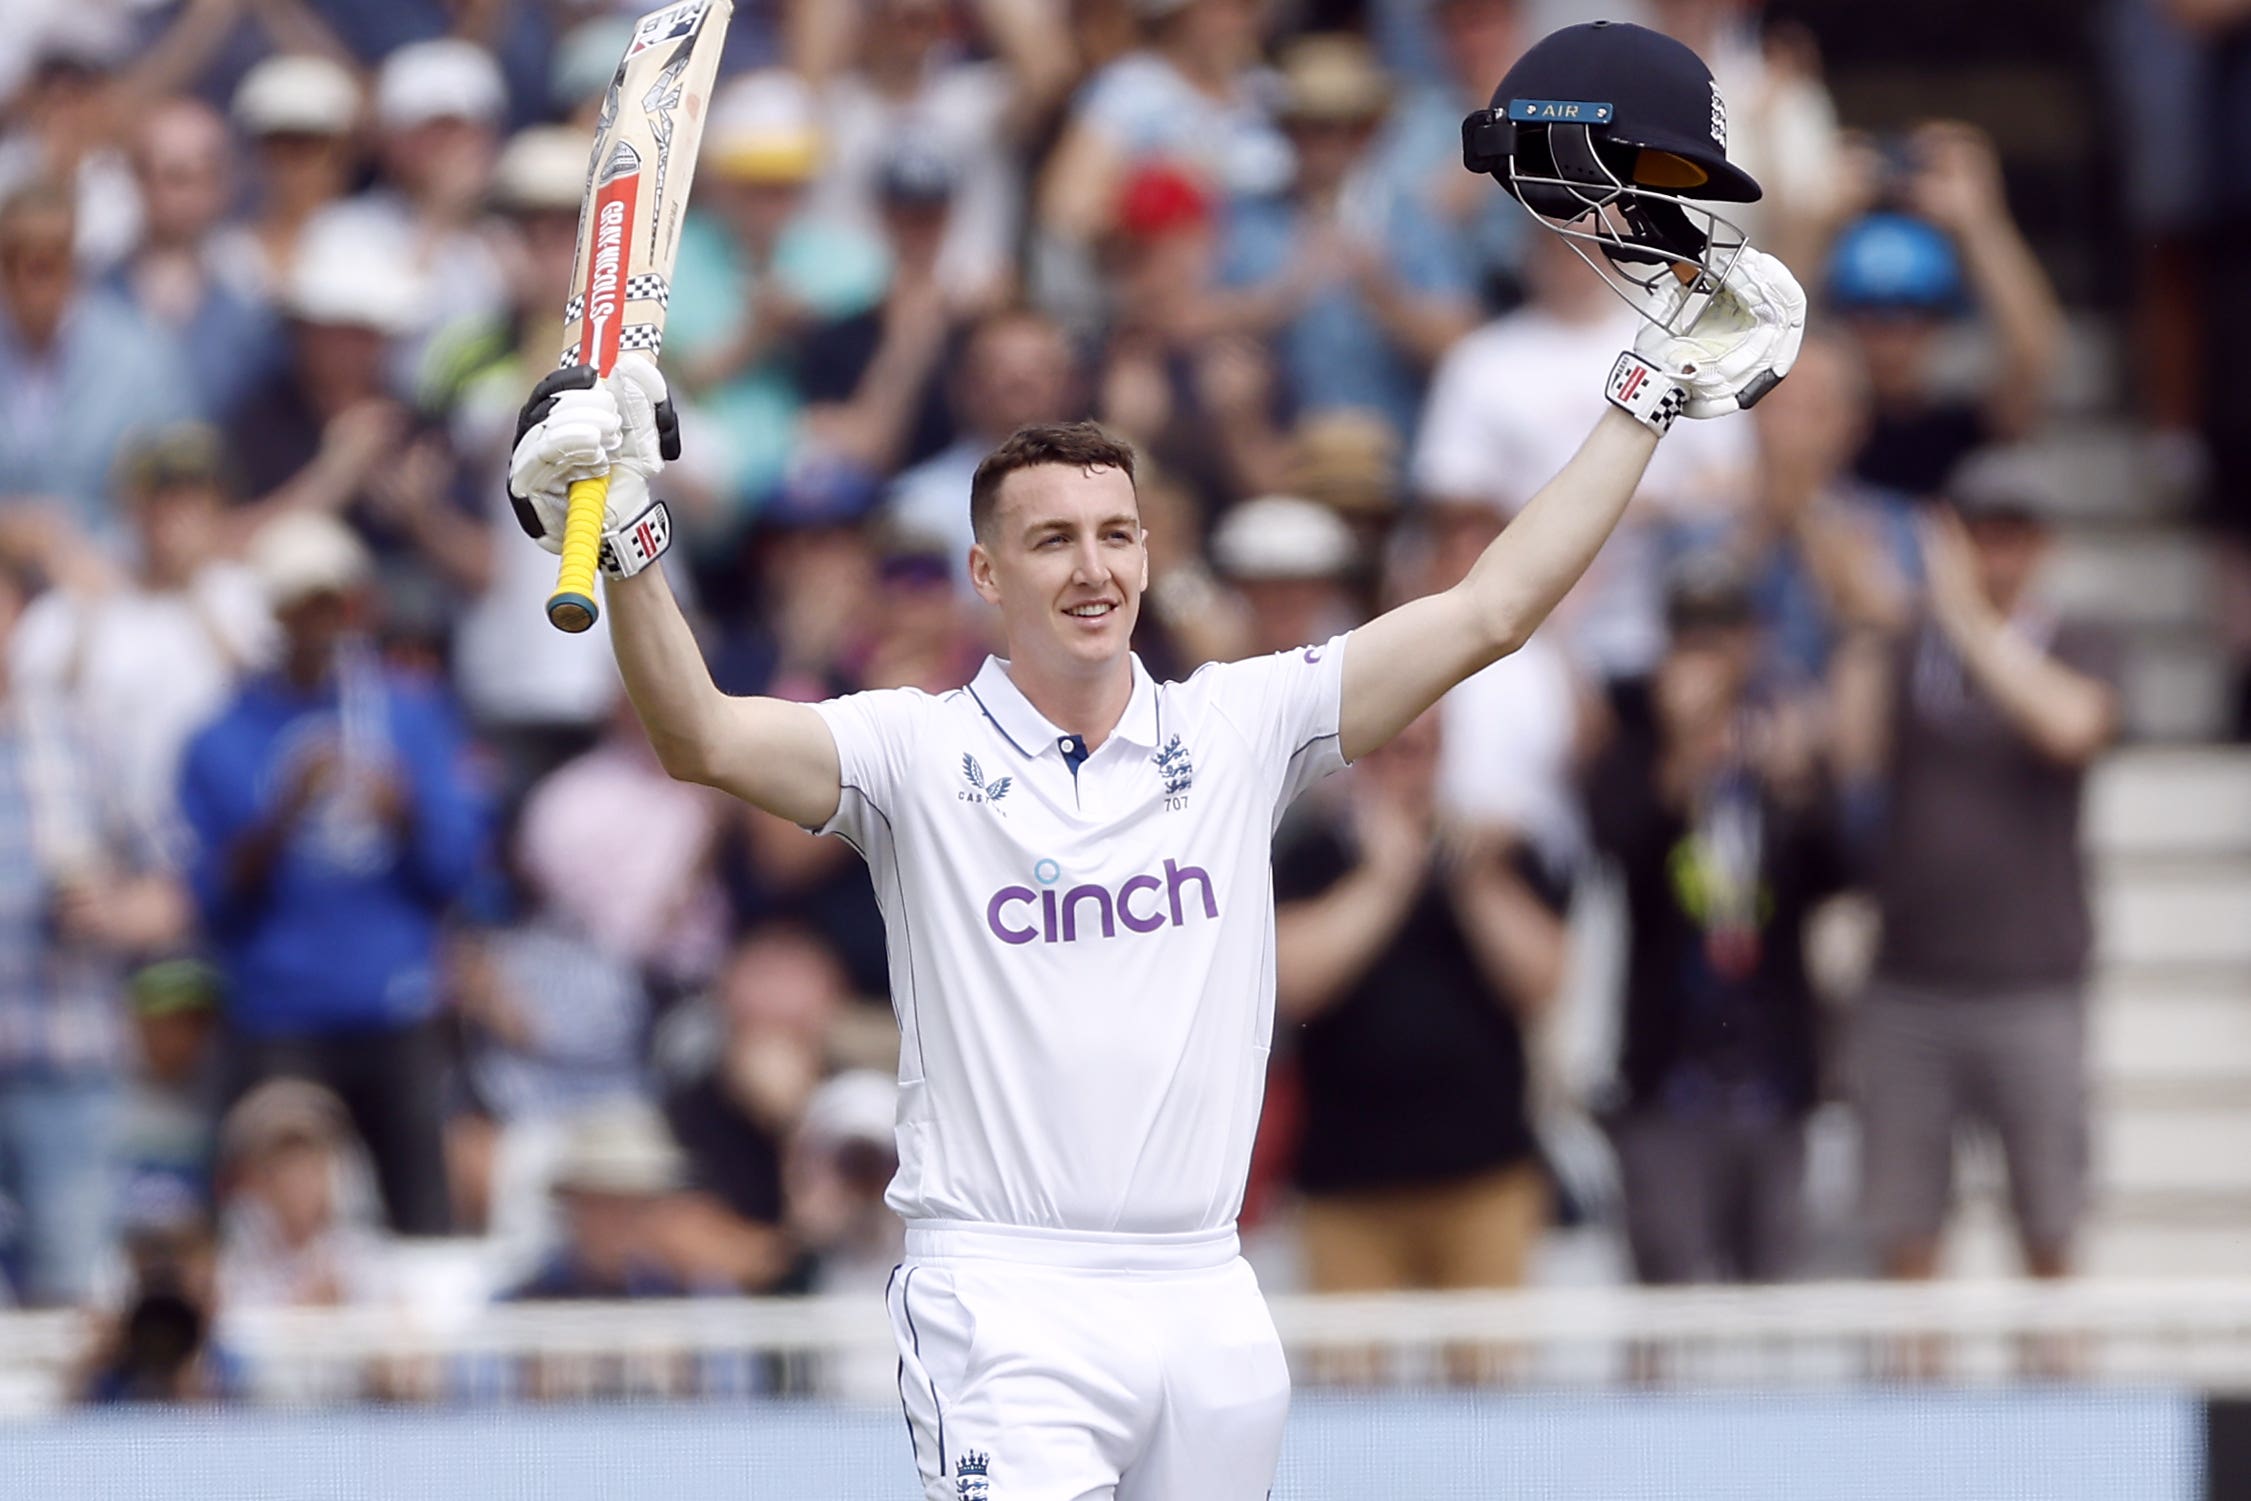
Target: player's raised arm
{"x": 1615, "y": 137}
{"x": 769, "y": 752}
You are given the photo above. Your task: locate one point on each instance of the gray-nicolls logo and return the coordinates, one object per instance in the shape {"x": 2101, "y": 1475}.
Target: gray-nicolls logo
{"x": 982, "y": 791}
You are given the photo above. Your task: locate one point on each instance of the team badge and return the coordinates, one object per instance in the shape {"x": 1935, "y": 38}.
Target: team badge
{"x": 1174, "y": 765}
{"x": 970, "y": 1478}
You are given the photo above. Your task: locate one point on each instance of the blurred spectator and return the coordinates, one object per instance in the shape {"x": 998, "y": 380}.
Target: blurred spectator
{"x": 336, "y": 818}
{"x": 161, "y": 1346}
{"x": 1781, "y": 125}
{"x": 82, "y": 893}
{"x": 1192, "y": 94}
{"x": 1491, "y": 438}
{"x": 1471, "y": 44}
{"x": 1415, "y": 958}
{"x": 1710, "y": 799}
{"x": 1290, "y": 563}
{"x": 1366, "y": 287}
{"x": 739, "y": 1089}
{"x": 537, "y": 696}
{"x": 438, "y": 110}
{"x": 810, "y": 577}
{"x": 630, "y": 1225}
{"x": 637, "y": 881}
{"x": 840, "y": 1165}
{"x": 301, "y": 115}
{"x": 923, "y": 637}
{"x": 146, "y": 658}
{"x": 1943, "y": 241}
{"x": 1182, "y": 373}
{"x": 549, "y": 1025}
{"x": 80, "y": 370}
{"x": 757, "y": 270}
{"x": 1806, "y": 541}
{"x": 179, "y": 276}
{"x": 1981, "y": 734}
{"x": 1016, "y": 368}
{"x": 887, "y": 72}
{"x": 64, "y": 129}
{"x": 296, "y": 1230}
{"x": 1512, "y": 731}
{"x": 165, "y": 1142}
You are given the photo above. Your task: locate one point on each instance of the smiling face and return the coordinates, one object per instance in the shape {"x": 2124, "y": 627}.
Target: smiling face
{"x": 1064, "y": 558}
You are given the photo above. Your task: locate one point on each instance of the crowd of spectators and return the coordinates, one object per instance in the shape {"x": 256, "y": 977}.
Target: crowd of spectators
{"x": 342, "y": 902}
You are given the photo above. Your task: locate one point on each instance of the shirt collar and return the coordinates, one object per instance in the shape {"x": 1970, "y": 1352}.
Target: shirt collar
{"x": 1029, "y": 730}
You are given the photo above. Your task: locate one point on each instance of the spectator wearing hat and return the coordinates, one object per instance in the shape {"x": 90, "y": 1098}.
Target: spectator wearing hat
{"x": 179, "y": 275}
{"x": 439, "y": 107}
{"x": 82, "y": 894}
{"x": 301, "y": 114}
{"x": 759, "y": 269}
{"x": 1291, "y": 564}
{"x": 891, "y": 72}
{"x": 335, "y": 819}
{"x": 1941, "y": 243}
{"x": 1976, "y": 740}
{"x": 1183, "y": 372}
{"x": 1365, "y": 288}
{"x": 808, "y": 585}
{"x": 144, "y": 657}
{"x": 1412, "y": 960}
{"x": 839, "y": 1166}
{"x": 1709, "y": 797}
{"x": 295, "y": 1231}
{"x": 1015, "y": 367}
{"x": 166, "y": 1148}
{"x": 81, "y": 371}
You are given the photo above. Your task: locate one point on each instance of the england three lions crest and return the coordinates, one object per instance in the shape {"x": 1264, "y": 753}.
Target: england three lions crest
{"x": 972, "y": 1481}
{"x": 1175, "y": 766}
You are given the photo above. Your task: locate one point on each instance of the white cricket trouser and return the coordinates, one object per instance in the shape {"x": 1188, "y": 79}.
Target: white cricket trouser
{"x": 1036, "y": 1366}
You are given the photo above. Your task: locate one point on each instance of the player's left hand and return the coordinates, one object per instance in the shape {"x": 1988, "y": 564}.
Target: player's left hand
{"x": 575, "y": 427}
{"x": 1741, "y": 346}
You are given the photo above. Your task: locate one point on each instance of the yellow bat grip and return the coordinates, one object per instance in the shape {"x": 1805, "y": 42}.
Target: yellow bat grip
{"x": 571, "y": 607}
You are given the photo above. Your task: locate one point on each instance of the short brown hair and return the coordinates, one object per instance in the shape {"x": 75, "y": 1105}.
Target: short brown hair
{"x": 1077, "y": 445}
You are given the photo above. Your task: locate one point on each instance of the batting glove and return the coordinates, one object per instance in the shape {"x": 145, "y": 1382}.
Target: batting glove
{"x": 575, "y": 427}
{"x": 1741, "y": 345}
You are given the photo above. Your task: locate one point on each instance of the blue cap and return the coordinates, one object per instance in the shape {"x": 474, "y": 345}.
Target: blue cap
{"x": 1891, "y": 263}
{"x": 822, "y": 490}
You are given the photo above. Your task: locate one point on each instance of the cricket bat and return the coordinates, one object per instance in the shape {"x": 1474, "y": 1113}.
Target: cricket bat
{"x": 637, "y": 181}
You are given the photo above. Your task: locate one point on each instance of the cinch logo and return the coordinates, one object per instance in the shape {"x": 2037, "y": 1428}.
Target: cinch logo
{"x": 1143, "y": 904}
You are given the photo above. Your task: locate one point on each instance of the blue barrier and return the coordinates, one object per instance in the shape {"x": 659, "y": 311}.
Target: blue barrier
{"x": 2050, "y": 1445}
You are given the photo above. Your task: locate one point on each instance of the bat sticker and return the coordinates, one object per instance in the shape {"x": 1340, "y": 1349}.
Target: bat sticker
{"x": 659, "y": 103}
{"x": 673, "y": 23}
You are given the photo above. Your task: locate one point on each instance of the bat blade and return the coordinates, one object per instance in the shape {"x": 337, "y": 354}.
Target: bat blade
{"x": 637, "y": 181}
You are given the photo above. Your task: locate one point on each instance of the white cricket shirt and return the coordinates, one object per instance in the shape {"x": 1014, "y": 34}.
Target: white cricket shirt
{"x": 1082, "y": 959}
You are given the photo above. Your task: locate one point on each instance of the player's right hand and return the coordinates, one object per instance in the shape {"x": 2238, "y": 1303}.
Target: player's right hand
{"x": 1741, "y": 345}
{"x": 575, "y": 427}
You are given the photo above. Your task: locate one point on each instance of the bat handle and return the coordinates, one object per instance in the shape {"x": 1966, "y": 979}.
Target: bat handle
{"x": 571, "y": 607}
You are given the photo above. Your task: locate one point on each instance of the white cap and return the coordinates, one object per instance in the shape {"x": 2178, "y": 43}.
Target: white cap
{"x": 1282, "y": 537}
{"x": 543, "y": 167}
{"x": 448, "y": 79}
{"x": 302, "y": 553}
{"x": 297, "y": 95}
{"x": 623, "y": 1147}
{"x": 342, "y": 277}
{"x": 765, "y": 127}
{"x": 860, "y": 1104}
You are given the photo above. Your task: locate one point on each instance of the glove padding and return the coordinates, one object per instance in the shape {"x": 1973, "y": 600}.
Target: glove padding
{"x": 576, "y": 427}
{"x": 1741, "y": 346}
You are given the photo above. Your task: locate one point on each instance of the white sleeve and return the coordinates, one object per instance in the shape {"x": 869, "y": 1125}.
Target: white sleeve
{"x": 1288, "y": 706}
{"x": 873, "y": 732}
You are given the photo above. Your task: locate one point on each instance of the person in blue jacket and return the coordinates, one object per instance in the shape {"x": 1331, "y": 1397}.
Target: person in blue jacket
{"x": 336, "y": 817}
